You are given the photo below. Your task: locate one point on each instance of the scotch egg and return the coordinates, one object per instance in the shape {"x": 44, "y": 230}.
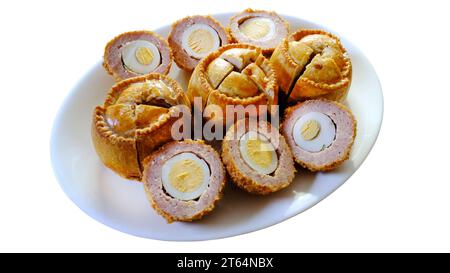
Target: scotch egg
{"x": 137, "y": 53}
{"x": 257, "y": 157}
{"x": 260, "y": 28}
{"x": 194, "y": 37}
{"x": 198, "y": 40}
{"x": 184, "y": 180}
{"x": 320, "y": 133}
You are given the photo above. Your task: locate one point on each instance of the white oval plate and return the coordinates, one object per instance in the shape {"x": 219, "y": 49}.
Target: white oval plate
{"x": 122, "y": 204}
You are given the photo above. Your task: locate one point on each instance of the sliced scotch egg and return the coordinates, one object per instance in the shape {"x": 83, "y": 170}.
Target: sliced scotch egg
{"x": 257, "y": 157}
{"x": 260, "y": 28}
{"x": 194, "y": 37}
{"x": 320, "y": 133}
{"x": 314, "y": 132}
{"x": 141, "y": 57}
{"x": 137, "y": 53}
{"x": 184, "y": 180}
{"x": 199, "y": 40}
{"x": 185, "y": 176}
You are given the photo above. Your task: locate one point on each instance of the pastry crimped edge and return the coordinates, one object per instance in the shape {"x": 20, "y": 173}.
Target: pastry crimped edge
{"x": 265, "y": 51}
{"x": 106, "y": 141}
{"x": 241, "y": 179}
{"x": 202, "y": 213}
{"x": 117, "y": 152}
{"x": 175, "y": 24}
{"x": 199, "y": 84}
{"x": 346, "y": 154}
{"x": 305, "y": 88}
{"x": 111, "y": 71}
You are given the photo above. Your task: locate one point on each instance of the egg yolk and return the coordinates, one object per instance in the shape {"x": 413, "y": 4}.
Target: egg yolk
{"x": 186, "y": 175}
{"x": 260, "y": 152}
{"x": 310, "y": 129}
{"x": 255, "y": 28}
{"x": 144, "y": 55}
{"x": 201, "y": 41}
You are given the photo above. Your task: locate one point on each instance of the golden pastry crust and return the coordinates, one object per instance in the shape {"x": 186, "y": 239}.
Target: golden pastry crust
{"x": 238, "y": 85}
{"x": 267, "y": 49}
{"x": 116, "y": 152}
{"x": 117, "y": 73}
{"x": 200, "y": 86}
{"x": 247, "y": 178}
{"x": 344, "y": 156}
{"x": 169, "y": 217}
{"x": 327, "y": 73}
{"x": 123, "y": 152}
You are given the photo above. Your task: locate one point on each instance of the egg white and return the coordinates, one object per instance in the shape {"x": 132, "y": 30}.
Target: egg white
{"x": 185, "y": 40}
{"x": 129, "y": 57}
{"x": 325, "y": 137}
{"x": 190, "y": 195}
{"x": 244, "y": 153}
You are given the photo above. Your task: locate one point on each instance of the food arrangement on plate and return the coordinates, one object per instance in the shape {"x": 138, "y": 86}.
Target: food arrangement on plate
{"x": 277, "y": 96}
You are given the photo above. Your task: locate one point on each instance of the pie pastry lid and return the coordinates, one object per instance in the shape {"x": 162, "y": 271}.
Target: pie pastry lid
{"x": 125, "y": 154}
{"x": 199, "y": 85}
{"x": 284, "y": 66}
{"x": 303, "y": 88}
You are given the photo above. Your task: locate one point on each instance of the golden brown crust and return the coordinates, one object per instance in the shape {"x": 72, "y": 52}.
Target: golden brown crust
{"x": 170, "y": 218}
{"x": 345, "y": 156}
{"x": 285, "y": 67}
{"x": 116, "y": 152}
{"x": 304, "y": 88}
{"x": 234, "y": 39}
{"x": 123, "y": 154}
{"x": 109, "y": 45}
{"x": 199, "y": 85}
{"x": 150, "y": 138}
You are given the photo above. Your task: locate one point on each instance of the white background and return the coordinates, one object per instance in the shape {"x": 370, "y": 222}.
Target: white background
{"x": 399, "y": 200}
